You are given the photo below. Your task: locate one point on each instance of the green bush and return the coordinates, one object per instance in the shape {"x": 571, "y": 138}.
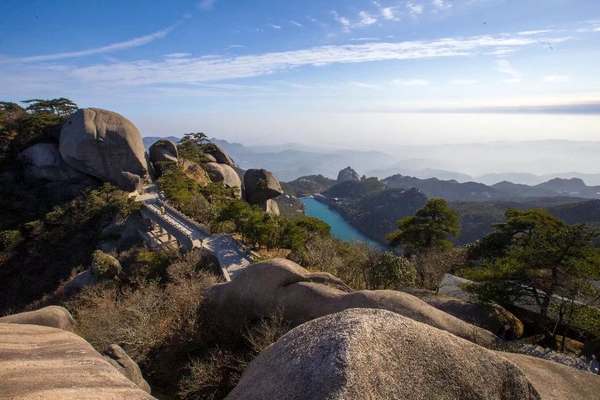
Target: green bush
{"x": 10, "y": 239}
{"x": 392, "y": 272}
{"x": 105, "y": 266}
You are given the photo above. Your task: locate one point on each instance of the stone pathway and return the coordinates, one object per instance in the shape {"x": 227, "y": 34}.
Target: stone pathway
{"x": 232, "y": 256}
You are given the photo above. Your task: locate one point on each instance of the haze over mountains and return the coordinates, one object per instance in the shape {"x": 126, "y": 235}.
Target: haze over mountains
{"x": 529, "y": 163}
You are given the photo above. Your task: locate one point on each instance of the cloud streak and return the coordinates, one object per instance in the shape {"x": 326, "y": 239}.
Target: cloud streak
{"x": 218, "y": 68}
{"x": 128, "y": 44}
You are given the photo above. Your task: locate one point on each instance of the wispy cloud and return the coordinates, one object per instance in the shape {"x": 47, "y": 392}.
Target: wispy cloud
{"x": 556, "y": 78}
{"x": 505, "y": 67}
{"x": 535, "y": 32}
{"x": 441, "y": 4}
{"x": 414, "y": 9}
{"x": 364, "y": 39}
{"x": 128, "y": 44}
{"x": 463, "y": 82}
{"x": 177, "y": 55}
{"x": 206, "y": 4}
{"x": 275, "y": 26}
{"x": 411, "y": 82}
{"x": 366, "y": 19}
{"x": 296, "y": 23}
{"x": 343, "y": 21}
{"x": 194, "y": 70}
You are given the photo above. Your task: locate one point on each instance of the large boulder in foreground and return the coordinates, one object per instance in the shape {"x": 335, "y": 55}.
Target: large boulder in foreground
{"x": 195, "y": 172}
{"x": 51, "y": 316}
{"x": 554, "y": 381}
{"x": 226, "y": 175}
{"x": 376, "y": 354}
{"x": 37, "y": 362}
{"x": 106, "y": 145}
{"x": 260, "y": 185}
{"x": 280, "y": 285}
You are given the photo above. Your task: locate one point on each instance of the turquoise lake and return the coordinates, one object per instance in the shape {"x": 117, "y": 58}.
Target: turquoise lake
{"x": 340, "y": 229}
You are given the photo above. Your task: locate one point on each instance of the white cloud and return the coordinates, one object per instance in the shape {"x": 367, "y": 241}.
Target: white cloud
{"x": 414, "y": 9}
{"x": 597, "y": 29}
{"x": 364, "y": 39}
{"x": 177, "y": 55}
{"x": 364, "y": 85}
{"x": 463, "y": 82}
{"x": 274, "y": 26}
{"x": 192, "y": 70}
{"x": 535, "y": 32}
{"x": 388, "y": 13}
{"x": 128, "y": 44}
{"x": 441, "y": 4}
{"x": 343, "y": 21}
{"x": 296, "y": 23}
{"x": 505, "y": 67}
{"x": 206, "y": 4}
{"x": 410, "y": 82}
{"x": 556, "y": 78}
{"x": 366, "y": 19}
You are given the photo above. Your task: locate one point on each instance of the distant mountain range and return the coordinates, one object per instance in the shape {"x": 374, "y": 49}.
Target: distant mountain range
{"x": 444, "y": 162}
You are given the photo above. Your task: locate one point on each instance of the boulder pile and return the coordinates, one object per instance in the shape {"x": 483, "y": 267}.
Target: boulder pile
{"x": 260, "y": 188}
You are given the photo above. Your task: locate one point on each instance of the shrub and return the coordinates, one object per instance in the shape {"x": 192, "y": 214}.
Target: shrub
{"x": 433, "y": 265}
{"x": 10, "y": 239}
{"x": 105, "y": 266}
{"x": 391, "y": 272}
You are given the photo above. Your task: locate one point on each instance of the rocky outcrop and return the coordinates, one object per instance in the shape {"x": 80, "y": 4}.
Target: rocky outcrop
{"x": 38, "y": 362}
{"x": 280, "y": 285}
{"x": 51, "y": 316}
{"x": 195, "y": 172}
{"x": 212, "y": 151}
{"x": 348, "y": 174}
{"x": 492, "y": 317}
{"x": 554, "y": 381}
{"x": 376, "y": 354}
{"x": 162, "y": 153}
{"x": 43, "y": 161}
{"x": 260, "y": 187}
{"x": 225, "y": 174}
{"x": 119, "y": 359}
{"x": 106, "y": 145}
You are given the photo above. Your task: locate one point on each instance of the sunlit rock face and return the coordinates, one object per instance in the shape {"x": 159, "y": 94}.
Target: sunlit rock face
{"x": 106, "y": 145}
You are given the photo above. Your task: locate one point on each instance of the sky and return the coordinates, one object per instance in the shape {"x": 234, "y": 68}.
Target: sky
{"x": 353, "y": 73}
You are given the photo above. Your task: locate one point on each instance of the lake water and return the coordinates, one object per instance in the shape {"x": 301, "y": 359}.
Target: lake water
{"x": 340, "y": 229}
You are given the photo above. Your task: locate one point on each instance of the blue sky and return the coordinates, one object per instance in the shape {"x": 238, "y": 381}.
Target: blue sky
{"x": 342, "y": 72}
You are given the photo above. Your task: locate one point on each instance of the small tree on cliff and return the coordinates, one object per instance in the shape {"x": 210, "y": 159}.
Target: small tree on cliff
{"x": 429, "y": 229}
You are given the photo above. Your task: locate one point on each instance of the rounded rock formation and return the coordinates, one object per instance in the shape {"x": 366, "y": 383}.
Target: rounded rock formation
{"x": 348, "y": 174}
{"x": 280, "y": 285}
{"x": 43, "y": 161}
{"x": 37, "y": 362}
{"x": 51, "y": 316}
{"x": 106, "y": 145}
{"x": 119, "y": 359}
{"x": 260, "y": 188}
{"x": 163, "y": 152}
{"x": 376, "y": 354}
{"x": 215, "y": 152}
{"x": 225, "y": 174}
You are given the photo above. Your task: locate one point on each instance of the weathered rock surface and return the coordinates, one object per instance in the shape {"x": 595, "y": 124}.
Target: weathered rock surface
{"x": 348, "y": 174}
{"x": 260, "y": 185}
{"x": 280, "y": 285}
{"x": 218, "y": 154}
{"x": 51, "y": 316}
{"x": 554, "y": 381}
{"x": 195, "y": 172}
{"x": 376, "y": 354}
{"x": 271, "y": 207}
{"x": 494, "y": 318}
{"x": 119, "y": 359}
{"x": 225, "y": 174}
{"x": 106, "y": 145}
{"x": 43, "y": 161}
{"x": 161, "y": 153}
{"x": 37, "y": 362}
